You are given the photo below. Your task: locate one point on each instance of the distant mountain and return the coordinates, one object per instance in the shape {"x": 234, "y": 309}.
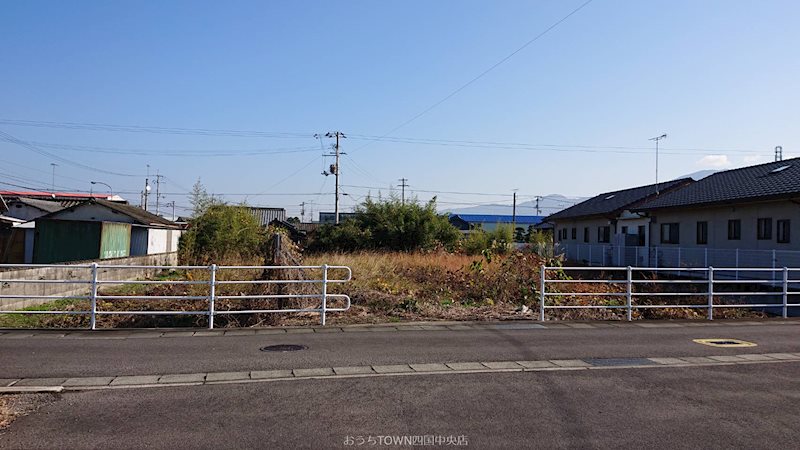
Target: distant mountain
{"x": 699, "y": 175}
{"x": 548, "y": 204}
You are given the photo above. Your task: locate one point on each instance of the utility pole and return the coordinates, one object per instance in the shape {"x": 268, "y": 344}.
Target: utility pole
{"x": 403, "y": 186}
{"x": 303, "y": 212}
{"x": 778, "y": 153}
{"x": 538, "y": 210}
{"x": 514, "y": 211}
{"x": 53, "y": 185}
{"x": 657, "y": 138}
{"x": 334, "y": 168}
{"x": 158, "y": 186}
{"x": 172, "y": 203}
{"x": 146, "y": 191}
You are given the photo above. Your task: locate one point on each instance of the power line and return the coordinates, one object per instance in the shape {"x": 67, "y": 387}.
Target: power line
{"x": 35, "y": 149}
{"x": 482, "y": 74}
{"x": 171, "y": 152}
{"x": 156, "y": 130}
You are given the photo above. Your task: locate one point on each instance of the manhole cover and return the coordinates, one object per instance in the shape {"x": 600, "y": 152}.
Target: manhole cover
{"x": 727, "y": 343}
{"x": 283, "y": 348}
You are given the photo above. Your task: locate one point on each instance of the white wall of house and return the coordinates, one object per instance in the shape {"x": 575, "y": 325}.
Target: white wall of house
{"x": 717, "y": 218}
{"x": 162, "y": 241}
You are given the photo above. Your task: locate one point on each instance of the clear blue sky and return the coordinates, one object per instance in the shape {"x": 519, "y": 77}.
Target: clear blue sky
{"x": 720, "y": 77}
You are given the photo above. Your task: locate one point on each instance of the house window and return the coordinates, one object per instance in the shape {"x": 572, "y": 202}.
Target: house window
{"x": 641, "y": 232}
{"x": 585, "y": 234}
{"x": 702, "y": 233}
{"x": 574, "y": 233}
{"x": 783, "y": 231}
{"x": 624, "y": 230}
{"x": 670, "y": 233}
{"x": 764, "y": 229}
{"x": 604, "y": 234}
{"x": 734, "y": 230}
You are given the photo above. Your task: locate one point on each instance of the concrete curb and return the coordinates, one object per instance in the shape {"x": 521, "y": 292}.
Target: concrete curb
{"x": 28, "y": 385}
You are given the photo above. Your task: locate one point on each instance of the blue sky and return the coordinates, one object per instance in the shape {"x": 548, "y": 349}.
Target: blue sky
{"x": 719, "y": 77}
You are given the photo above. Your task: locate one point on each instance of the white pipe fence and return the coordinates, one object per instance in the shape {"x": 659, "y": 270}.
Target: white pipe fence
{"x": 95, "y": 281}
{"x": 670, "y": 256}
{"x": 638, "y": 279}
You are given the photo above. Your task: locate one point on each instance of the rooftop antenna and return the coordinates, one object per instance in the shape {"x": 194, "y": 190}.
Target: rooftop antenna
{"x": 658, "y": 138}
{"x": 778, "y": 153}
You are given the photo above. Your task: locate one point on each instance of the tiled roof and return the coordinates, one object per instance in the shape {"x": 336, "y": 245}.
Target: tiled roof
{"x": 43, "y": 205}
{"x": 610, "y": 203}
{"x": 764, "y": 181}
{"x": 139, "y": 215}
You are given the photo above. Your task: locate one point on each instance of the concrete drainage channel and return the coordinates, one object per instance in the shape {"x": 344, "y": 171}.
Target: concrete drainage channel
{"x": 28, "y": 385}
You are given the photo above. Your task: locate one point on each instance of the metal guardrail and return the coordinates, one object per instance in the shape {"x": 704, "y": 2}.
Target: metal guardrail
{"x": 709, "y": 277}
{"x": 94, "y": 282}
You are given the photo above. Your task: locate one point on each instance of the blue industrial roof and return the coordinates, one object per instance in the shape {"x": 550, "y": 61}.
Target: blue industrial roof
{"x": 498, "y": 218}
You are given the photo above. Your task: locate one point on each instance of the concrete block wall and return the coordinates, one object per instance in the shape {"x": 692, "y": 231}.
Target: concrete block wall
{"x": 69, "y": 272}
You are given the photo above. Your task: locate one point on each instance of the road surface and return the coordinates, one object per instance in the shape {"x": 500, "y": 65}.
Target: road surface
{"x": 753, "y": 404}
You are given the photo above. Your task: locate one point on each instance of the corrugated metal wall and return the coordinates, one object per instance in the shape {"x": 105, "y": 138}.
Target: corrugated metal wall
{"x": 139, "y": 239}
{"x": 115, "y": 241}
{"x": 66, "y": 240}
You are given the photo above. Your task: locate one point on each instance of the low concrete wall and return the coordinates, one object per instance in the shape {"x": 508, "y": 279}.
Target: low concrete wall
{"x": 69, "y": 272}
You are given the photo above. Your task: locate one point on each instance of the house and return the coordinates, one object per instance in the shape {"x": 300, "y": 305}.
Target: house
{"x": 330, "y": 217}
{"x": 12, "y": 241}
{"x": 147, "y": 233}
{"x": 746, "y": 216}
{"x": 265, "y": 216}
{"x": 30, "y": 208}
{"x": 26, "y": 210}
{"x": 488, "y": 222}
{"x": 607, "y": 220}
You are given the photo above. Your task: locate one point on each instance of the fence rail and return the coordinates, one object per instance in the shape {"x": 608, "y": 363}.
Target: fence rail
{"x": 786, "y": 286}
{"x": 672, "y": 256}
{"x": 94, "y": 281}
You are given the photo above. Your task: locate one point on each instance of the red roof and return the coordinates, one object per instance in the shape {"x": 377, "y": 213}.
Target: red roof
{"x": 34, "y": 194}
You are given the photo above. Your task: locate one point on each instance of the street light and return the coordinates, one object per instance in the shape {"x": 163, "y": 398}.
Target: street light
{"x": 110, "y": 192}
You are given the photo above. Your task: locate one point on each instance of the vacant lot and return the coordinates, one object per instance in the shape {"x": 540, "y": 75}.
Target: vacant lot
{"x": 386, "y": 287}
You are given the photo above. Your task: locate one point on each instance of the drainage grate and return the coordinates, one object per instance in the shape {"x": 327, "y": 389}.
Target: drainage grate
{"x": 726, "y": 343}
{"x": 283, "y": 348}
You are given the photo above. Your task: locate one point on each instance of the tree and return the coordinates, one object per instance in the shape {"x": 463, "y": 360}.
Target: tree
{"x": 199, "y": 199}
{"x": 389, "y": 225}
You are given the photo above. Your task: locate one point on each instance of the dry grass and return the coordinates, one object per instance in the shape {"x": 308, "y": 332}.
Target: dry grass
{"x": 14, "y": 406}
{"x": 390, "y": 287}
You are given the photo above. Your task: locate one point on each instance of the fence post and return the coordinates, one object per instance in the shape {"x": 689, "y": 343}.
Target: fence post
{"x": 785, "y": 292}
{"x": 542, "y": 274}
{"x": 590, "y": 255}
{"x": 93, "y": 298}
{"x": 324, "y": 305}
{"x": 679, "y": 257}
{"x": 710, "y": 293}
{"x": 774, "y": 264}
{"x": 636, "y": 256}
{"x": 212, "y": 290}
{"x": 737, "y": 264}
{"x": 629, "y": 294}
{"x": 705, "y": 257}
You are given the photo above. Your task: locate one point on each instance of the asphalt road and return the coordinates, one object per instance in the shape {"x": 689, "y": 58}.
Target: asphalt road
{"x": 64, "y": 357}
{"x": 744, "y": 406}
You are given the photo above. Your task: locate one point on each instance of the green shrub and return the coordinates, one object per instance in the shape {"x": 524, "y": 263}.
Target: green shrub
{"x": 221, "y": 233}
{"x": 389, "y": 225}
